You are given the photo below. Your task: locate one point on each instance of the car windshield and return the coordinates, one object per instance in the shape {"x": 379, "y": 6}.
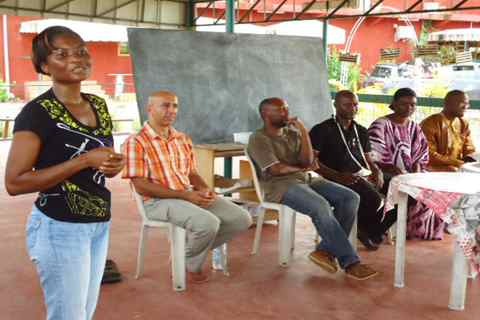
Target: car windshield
{"x": 463, "y": 68}
{"x": 382, "y": 72}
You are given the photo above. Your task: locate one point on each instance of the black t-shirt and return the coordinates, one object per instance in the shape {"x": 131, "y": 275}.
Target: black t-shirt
{"x": 83, "y": 197}
{"x": 333, "y": 153}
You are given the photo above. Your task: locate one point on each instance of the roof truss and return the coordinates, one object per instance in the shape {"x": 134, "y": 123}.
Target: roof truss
{"x": 130, "y": 12}
{"x": 333, "y": 10}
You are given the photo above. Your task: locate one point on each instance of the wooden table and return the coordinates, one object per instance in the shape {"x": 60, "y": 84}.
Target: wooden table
{"x": 6, "y": 127}
{"x": 206, "y": 154}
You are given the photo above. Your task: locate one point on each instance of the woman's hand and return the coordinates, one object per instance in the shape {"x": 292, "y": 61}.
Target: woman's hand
{"x": 95, "y": 158}
{"x": 113, "y": 165}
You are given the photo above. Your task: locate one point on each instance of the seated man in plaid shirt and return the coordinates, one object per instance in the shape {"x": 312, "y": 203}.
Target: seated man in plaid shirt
{"x": 161, "y": 165}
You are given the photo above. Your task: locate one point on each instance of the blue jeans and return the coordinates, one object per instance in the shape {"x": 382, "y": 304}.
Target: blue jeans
{"x": 316, "y": 201}
{"x": 70, "y": 260}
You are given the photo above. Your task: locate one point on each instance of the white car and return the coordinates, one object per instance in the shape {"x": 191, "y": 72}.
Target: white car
{"x": 390, "y": 76}
{"x": 462, "y": 76}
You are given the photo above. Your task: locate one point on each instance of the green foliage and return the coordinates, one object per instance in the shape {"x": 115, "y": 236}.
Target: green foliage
{"x": 335, "y": 85}
{"x": 435, "y": 90}
{"x": 334, "y": 73}
{"x": 368, "y": 112}
{"x": 3, "y": 92}
{"x": 427, "y": 28}
{"x": 447, "y": 55}
{"x": 334, "y": 65}
{"x": 353, "y": 77}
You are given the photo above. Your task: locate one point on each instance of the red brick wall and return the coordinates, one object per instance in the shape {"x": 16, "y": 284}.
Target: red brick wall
{"x": 104, "y": 55}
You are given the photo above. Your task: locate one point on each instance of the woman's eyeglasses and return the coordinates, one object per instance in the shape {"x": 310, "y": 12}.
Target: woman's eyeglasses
{"x": 63, "y": 53}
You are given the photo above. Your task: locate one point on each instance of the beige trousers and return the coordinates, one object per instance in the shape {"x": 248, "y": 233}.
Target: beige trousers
{"x": 206, "y": 228}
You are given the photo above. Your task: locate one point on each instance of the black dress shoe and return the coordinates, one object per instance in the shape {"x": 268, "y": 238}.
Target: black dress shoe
{"x": 111, "y": 273}
{"x": 111, "y": 277}
{"x": 378, "y": 240}
{"x": 367, "y": 243}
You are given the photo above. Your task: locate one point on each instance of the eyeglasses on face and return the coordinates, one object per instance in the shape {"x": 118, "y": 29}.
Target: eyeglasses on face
{"x": 63, "y": 53}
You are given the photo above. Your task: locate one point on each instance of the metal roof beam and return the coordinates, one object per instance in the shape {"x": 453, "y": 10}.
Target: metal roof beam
{"x": 116, "y": 8}
{"x": 275, "y": 10}
{"x": 249, "y": 11}
{"x": 57, "y": 5}
{"x": 308, "y": 6}
{"x": 379, "y": 2}
{"x": 458, "y": 5}
{"x": 88, "y": 16}
{"x": 94, "y": 8}
{"x": 142, "y": 11}
{"x": 220, "y": 18}
{"x": 203, "y": 11}
{"x": 340, "y": 6}
{"x": 413, "y": 6}
{"x": 379, "y": 14}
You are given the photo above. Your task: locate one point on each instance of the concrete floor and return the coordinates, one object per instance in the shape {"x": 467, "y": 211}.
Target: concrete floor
{"x": 257, "y": 287}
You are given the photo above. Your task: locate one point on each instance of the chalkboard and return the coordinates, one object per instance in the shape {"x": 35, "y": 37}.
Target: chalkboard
{"x": 220, "y": 78}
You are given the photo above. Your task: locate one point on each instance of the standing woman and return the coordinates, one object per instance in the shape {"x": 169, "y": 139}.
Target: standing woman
{"x": 399, "y": 146}
{"x": 62, "y": 148}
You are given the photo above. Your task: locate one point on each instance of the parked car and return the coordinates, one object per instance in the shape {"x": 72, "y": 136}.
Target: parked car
{"x": 389, "y": 75}
{"x": 461, "y": 76}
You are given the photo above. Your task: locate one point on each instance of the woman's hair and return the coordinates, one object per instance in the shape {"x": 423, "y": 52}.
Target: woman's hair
{"x": 42, "y": 44}
{"x": 400, "y": 93}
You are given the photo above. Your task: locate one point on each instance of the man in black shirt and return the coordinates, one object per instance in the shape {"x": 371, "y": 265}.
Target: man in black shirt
{"x": 343, "y": 153}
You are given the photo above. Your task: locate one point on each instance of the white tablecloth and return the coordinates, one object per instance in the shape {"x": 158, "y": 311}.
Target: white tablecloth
{"x": 455, "y": 197}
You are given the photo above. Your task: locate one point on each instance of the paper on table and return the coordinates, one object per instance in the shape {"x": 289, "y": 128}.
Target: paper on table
{"x": 243, "y": 183}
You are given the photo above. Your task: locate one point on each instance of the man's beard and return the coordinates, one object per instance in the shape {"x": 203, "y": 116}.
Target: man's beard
{"x": 347, "y": 116}
{"x": 280, "y": 123}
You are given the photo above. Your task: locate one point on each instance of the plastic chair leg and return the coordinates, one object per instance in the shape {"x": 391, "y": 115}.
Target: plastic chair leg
{"x": 141, "y": 250}
{"x": 285, "y": 236}
{"x": 258, "y": 231}
{"x": 177, "y": 248}
{"x": 294, "y": 222}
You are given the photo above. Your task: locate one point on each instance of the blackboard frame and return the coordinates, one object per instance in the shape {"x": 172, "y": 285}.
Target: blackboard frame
{"x": 220, "y": 78}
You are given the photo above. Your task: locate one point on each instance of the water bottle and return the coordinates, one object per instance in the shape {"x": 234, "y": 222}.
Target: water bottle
{"x": 219, "y": 255}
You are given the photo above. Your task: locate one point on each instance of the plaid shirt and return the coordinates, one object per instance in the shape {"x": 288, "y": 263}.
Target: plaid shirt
{"x": 168, "y": 162}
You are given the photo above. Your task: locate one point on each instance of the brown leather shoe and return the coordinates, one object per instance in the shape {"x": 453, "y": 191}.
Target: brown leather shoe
{"x": 325, "y": 260}
{"x": 198, "y": 277}
{"x": 360, "y": 271}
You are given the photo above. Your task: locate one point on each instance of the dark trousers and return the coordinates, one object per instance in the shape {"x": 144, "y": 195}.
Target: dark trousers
{"x": 370, "y": 215}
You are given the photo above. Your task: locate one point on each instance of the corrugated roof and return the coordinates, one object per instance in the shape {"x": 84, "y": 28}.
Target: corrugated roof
{"x": 89, "y": 31}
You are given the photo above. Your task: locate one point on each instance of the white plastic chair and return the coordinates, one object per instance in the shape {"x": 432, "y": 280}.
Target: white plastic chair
{"x": 176, "y": 237}
{"x": 287, "y": 218}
